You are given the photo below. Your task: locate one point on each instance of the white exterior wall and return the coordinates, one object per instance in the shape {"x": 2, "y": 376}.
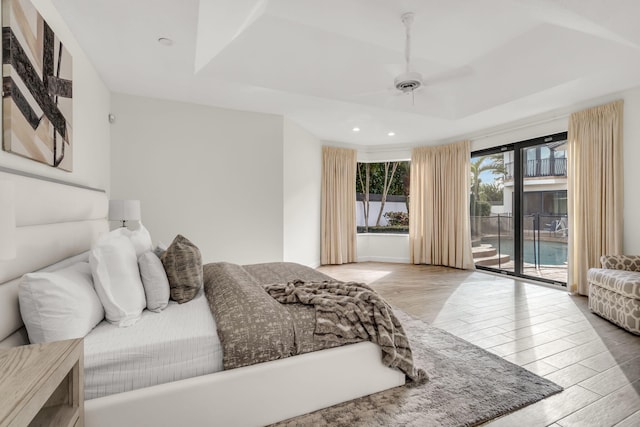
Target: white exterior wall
{"x": 374, "y": 209}
{"x": 501, "y": 209}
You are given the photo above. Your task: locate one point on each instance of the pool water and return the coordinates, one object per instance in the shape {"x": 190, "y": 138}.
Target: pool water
{"x": 551, "y": 253}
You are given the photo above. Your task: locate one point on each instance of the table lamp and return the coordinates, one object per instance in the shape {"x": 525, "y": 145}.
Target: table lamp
{"x": 124, "y": 210}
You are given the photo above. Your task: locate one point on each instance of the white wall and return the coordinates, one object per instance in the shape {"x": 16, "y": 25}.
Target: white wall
{"x": 302, "y": 193}
{"x": 383, "y": 247}
{"x": 91, "y": 104}
{"x": 202, "y": 172}
{"x": 631, "y": 171}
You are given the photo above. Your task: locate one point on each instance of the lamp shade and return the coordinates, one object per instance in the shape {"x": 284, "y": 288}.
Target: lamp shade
{"x": 124, "y": 210}
{"x": 7, "y": 221}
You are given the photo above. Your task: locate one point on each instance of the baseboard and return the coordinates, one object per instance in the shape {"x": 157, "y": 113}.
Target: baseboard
{"x": 383, "y": 259}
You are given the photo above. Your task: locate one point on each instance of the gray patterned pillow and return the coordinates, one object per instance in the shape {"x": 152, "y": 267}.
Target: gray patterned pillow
{"x": 183, "y": 264}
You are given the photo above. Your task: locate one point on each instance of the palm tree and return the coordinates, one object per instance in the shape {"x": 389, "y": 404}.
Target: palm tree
{"x": 493, "y": 163}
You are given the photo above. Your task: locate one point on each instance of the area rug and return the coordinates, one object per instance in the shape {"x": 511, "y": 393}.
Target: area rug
{"x": 468, "y": 386}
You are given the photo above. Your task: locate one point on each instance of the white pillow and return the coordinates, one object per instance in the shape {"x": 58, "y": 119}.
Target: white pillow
{"x": 154, "y": 280}
{"x": 117, "y": 279}
{"x": 160, "y": 249}
{"x": 140, "y": 238}
{"x": 59, "y": 305}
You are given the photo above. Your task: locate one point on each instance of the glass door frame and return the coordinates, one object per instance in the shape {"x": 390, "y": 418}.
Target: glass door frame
{"x": 518, "y": 149}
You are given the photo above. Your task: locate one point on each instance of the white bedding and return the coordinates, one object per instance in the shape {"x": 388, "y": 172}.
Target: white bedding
{"x": 180, "y": 342}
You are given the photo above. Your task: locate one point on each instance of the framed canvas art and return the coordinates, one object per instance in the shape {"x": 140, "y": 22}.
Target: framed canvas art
{"x": 37, "y": 104}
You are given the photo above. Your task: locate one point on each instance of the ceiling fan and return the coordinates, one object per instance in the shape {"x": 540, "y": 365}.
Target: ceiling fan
{"x": 408, "y": 81}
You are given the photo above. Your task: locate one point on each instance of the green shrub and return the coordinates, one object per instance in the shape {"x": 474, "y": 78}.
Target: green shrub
{"x": 397, "y": 218}
{"x": 482, "y": 208}
{"x": 396, "y": 229}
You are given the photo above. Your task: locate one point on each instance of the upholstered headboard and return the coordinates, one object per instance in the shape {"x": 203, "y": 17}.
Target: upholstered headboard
{"x": 54, "y": 221}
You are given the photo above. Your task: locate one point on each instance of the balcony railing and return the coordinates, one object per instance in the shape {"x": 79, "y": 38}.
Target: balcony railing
{"x": 540, "y": 167}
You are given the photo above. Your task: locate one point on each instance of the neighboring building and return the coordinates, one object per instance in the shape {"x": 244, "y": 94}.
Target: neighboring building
{"x": 545, "y": 181}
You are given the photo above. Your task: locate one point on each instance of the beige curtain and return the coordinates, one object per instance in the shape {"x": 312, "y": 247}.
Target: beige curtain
{"x": 594, "y": 190}
{"x": 439, "y": 230}
{"x": 338, "y": 242}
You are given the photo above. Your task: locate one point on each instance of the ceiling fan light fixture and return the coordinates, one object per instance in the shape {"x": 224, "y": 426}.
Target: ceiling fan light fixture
{"x": 408, "y": 82}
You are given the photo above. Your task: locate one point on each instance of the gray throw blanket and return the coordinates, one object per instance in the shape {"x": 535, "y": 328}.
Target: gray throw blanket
{"x": 352, "y": 312}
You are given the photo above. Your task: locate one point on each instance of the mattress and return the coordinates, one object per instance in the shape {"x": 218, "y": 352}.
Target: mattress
{"x": 178, "y": 343}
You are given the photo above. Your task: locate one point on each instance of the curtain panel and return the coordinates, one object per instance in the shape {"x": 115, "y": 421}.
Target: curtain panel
{"x": 439, "y": 229}
{"x": 594, "y": 190}
{"x": 338, "y": 228}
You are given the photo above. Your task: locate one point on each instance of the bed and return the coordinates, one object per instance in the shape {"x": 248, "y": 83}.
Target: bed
{"x": 57, "y": 224}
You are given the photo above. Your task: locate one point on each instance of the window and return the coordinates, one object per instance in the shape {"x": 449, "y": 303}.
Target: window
{"x": 545, "y": 202}
{"x": 382, "y": 197}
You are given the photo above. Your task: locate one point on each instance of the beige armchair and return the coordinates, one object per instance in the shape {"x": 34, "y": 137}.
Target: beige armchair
{"x": 614, "y": 290}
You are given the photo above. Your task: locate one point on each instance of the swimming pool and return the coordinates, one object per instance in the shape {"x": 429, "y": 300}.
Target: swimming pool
{"x": 551, "y": 253}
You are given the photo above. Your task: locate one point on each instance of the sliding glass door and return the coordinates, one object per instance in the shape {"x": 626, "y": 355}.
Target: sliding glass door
{"x": 518, "y": 208}
{"x": 491, "y": 204}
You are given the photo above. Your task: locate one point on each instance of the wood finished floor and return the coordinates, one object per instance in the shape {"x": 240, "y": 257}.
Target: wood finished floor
{"x": 545, "y": 330}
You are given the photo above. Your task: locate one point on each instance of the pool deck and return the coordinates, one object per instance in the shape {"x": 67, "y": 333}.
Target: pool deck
{"x": 556, "y": 273}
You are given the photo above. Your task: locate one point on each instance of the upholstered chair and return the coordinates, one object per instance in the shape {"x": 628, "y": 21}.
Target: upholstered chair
{"x": 614, "y": 290}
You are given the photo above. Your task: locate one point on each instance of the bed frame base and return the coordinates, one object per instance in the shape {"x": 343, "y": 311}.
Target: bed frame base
{"x": 254, "y": 395}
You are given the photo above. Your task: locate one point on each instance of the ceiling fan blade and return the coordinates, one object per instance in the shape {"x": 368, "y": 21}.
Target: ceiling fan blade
{"x": 385, "y": 92}
{"x": 448, "y": 75}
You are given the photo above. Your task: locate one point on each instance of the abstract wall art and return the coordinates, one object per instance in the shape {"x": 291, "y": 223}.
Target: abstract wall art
{"x": 37, "y": 102}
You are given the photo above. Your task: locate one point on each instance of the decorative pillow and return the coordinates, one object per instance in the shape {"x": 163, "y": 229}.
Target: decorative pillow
{"x": 183, "y": 263}
{"x": 59, "y": 305}
{"x": 117, "y": 279}
{"x": 140, "y": 238}
{"x": 154, "y": 280}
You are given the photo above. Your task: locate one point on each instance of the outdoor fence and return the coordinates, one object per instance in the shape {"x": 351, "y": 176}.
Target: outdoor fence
{"x": 536, "y": 229}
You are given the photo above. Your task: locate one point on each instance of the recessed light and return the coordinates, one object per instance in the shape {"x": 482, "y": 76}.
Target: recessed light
{"x": 356, "y": 129}
{"x": 391, "y": 134}
{"x": 164, "y": 41}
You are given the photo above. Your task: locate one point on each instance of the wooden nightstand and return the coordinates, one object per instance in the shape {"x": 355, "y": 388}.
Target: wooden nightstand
{"x": 42, "y": 385}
